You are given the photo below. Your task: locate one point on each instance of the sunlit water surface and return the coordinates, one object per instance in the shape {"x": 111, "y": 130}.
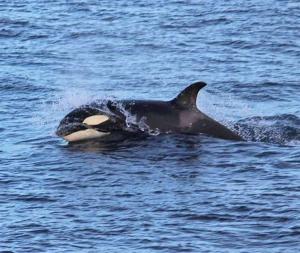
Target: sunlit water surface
{"x": 166, "y": 193}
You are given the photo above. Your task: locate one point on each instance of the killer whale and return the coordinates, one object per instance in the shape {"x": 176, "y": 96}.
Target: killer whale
{"x": 104, "y": 118}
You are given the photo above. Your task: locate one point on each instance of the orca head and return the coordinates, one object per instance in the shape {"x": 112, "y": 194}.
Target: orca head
{"x": 85, "y": 123}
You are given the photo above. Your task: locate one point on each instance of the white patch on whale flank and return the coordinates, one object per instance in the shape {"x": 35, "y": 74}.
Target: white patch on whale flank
{"x": 95, "y": 120}
{"x": 84, "y": 135}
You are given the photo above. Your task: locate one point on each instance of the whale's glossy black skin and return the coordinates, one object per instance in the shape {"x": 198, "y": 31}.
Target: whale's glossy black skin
{"x": 179, "y": 115}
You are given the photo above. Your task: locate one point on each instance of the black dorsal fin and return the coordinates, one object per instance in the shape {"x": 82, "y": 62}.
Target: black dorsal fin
{"x": 188, "y": 97}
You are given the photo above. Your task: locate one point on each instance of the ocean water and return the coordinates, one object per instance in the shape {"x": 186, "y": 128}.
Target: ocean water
{"x": 165, "y": 193}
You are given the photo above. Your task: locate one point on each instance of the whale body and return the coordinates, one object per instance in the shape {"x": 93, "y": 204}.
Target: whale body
{"x": 179, "y": 115}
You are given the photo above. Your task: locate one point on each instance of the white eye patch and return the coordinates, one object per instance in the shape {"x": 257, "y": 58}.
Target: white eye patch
{"x": 84, "y": 135}
{"x": 95, "y": 120}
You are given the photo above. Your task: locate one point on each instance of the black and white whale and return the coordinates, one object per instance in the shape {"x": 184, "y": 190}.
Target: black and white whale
{"x": 106, "y": 117}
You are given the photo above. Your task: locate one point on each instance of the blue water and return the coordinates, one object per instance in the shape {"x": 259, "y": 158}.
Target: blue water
{"x": 170, "y": 193}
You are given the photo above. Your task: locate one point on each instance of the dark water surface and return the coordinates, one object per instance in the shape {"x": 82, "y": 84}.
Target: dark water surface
{"x": 167, "y": 193}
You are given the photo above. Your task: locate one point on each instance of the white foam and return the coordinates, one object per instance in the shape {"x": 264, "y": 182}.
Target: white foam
{"x": 132, "y": 122}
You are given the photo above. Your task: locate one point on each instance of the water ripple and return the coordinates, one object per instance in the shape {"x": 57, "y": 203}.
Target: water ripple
{"x": 169, "y": 193}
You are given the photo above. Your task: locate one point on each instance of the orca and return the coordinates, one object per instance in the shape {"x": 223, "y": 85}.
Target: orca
{"x": 104, "y": 118}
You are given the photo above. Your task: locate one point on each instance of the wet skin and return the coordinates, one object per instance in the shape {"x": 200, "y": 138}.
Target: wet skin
{"x": 179, "y": 115}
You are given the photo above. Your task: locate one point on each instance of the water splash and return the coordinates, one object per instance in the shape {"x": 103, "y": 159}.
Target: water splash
{"x": 133, "y": 124}
{"x": 280, "y": 129}
{"x": 51, "y": 111}
{"x": 226, "y": 108}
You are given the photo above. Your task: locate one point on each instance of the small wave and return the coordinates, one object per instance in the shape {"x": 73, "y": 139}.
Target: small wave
{"x": 79, "y": 34}
{"x": 79, "y": 7}
{"x": 34, "y": 198}
{"x": 8, "y": 33}
{"x": 36, "y": 37}
{"x": 19, "y": 87}
{"x": 280, "y": 129}
{"x": 149, "y": 45}
{"x": 8, "y": 21}
{"x": 174, "y": 24}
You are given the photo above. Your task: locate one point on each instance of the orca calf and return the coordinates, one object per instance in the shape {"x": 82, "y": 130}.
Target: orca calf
{"x": 106, "y": 118}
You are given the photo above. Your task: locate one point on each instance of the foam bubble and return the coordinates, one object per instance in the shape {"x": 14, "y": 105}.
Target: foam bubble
{"x": 281, "y": 129}
{"x": 52, "y": 111}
